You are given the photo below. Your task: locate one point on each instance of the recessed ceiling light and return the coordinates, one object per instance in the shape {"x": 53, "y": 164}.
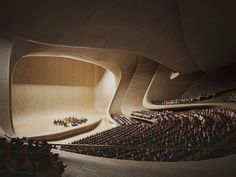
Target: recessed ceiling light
{"x": 173, "y": 75}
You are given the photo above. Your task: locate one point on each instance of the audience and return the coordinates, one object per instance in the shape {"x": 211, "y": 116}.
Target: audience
{"x": 69, "y": 120}
{"x": 232, "y": 97}
{"x": 149, "y": 115}
{"x": 169, "y": 138}
{"x": 21, "y": 155}
{"x": 190, "y": 99}
{"x": 191, "y": 128}
{"x": 121, "y": 119}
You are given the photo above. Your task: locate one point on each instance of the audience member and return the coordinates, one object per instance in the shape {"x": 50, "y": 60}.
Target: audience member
{"x": 190, "y": 99}
{"x": 69, "y": 120}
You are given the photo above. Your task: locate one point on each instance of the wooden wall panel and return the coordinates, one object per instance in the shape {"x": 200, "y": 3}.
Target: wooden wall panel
{"x": 36, "y": 99}
{"x": 56, "y": 71}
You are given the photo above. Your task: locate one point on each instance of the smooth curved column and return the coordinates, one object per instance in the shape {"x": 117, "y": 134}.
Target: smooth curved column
{"x": 133, "y": 99}
{"x": 5, "y": 110}
{"x": 128, "y": 70}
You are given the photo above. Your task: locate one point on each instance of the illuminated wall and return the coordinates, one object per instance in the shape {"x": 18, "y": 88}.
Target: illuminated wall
{"x": 104, "y": 91}
{"x": 50, "y": 85}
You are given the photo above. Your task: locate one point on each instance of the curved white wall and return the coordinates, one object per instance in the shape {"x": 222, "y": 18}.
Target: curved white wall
{"x": 162, "y": 88}
{"x": 6, "y": 44}
{"x": 105, "y": 91}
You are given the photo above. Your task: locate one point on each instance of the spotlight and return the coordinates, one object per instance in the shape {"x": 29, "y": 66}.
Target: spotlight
{"x": 173, "y": 75}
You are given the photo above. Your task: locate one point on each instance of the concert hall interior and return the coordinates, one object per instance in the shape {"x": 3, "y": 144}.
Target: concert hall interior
{"x": 117, "y": 88}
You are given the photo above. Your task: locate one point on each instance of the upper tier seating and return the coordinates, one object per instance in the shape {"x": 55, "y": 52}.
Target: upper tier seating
{"x": 121, "y": 119}
{"x": 149, "y": 115}
{"x": 191, "y": 99}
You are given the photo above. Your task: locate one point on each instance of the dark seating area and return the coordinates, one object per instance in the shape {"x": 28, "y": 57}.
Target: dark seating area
{"x": 191, "y": 99}
{"x": 232, "y": 97}
{"x": 28, "y": 158}
{"x": 149, "y": 115}
{"x": 174, "y": 136}
{"x": 122, "y": 120}
{"x": 69, "y": 121}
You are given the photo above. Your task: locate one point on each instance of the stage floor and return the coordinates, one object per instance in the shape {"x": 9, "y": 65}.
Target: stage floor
{"x": 42, "y": 124}
{"x": 104, "y": 125}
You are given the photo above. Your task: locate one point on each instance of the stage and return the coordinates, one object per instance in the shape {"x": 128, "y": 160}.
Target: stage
{"x": 40, "y": 125}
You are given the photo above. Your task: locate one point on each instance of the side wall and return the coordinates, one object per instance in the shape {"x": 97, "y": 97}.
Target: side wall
{"x": 162, "y": 88}
{"x": 214, "y": 81}
{"x": 133, "y": 99}
{"x": 5, "y": 52}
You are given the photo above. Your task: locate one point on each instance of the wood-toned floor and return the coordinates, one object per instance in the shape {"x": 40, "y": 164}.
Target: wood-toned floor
{"x": 88, "y": 166}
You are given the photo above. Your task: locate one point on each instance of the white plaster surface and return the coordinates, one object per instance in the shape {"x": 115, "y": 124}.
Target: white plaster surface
{"x": 88, "y": 166}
